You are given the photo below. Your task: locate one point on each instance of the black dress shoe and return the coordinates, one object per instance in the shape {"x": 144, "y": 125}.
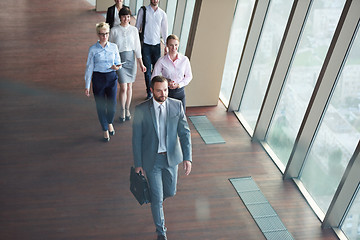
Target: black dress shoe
{"x": 112, "y": 133}
{"x": 161, "y": 237}
{"x": 106, "y": 139}
{"x": 128, "y": 117}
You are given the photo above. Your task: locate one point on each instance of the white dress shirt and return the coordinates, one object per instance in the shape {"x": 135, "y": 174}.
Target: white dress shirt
{"x": 156, "y": 24}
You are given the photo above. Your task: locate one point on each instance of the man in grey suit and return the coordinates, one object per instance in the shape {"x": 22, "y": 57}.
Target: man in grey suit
{"x": 161, "y": 140}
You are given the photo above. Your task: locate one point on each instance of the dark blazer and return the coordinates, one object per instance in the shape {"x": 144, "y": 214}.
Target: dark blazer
{"x": 110, "y": 15}
{"x": 145, "y": 139}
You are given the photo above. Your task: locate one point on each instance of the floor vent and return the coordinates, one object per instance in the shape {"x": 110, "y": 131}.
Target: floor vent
{"x": 206, "y": 130}
{"x": 260, "y": 209}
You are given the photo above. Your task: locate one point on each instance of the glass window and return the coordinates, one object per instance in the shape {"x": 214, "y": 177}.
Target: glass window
{"x": 337, "y": 136}
{"x": 302, "y": 76}
{"x": 185, "y": 28}
{"x": 170, "y": 11}
{"x": 139, "y": 4}
{"x": 264, "y": 59}
{"x": 351, "y": 224}
{"x": 239, "y": 28}
{"x": 132, "y": 6}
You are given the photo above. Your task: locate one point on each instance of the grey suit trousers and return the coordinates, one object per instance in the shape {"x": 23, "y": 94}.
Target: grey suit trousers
{"x": 162, "y": 181}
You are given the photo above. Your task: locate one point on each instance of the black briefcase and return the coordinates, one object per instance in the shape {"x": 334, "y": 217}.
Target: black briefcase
{"x": 139, "y": 187}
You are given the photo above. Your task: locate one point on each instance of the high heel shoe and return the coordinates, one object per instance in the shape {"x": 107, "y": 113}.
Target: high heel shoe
{"x": 127, "y": 117}
{"x": 106, "y": 137}
{"x": 122, "y": 117}
{"x": 112, "y": 133}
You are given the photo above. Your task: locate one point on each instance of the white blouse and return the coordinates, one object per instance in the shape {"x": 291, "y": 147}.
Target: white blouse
{"x": 126, "y": 39}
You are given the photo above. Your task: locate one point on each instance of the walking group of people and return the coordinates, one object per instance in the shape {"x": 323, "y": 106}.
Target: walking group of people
{"x": 161, "y": 135}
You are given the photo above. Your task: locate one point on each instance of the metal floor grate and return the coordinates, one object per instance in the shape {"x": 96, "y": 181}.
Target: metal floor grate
{"x": 260, "y": 209}
{"x": 206, "y": 130}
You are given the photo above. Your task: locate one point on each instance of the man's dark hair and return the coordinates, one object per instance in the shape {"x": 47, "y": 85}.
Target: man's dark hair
{"x": 157, "y": 79}
{"x": 124, "y": 11}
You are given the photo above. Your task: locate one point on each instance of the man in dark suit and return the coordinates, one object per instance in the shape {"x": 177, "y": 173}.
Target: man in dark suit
{"x": 161, "y": 140}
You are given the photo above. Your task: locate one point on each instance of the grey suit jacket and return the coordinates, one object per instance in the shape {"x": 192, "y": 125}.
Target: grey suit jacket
{"x": 145, "y": 140}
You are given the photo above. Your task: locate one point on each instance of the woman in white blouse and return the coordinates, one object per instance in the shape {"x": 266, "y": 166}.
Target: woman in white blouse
{"x": 126, "y": 37}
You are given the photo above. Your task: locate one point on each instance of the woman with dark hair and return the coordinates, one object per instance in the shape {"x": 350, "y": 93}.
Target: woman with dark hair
{"x": 112, "y": 14}
{"x": 126, "y": 37}
{"x": 102, "y": 62}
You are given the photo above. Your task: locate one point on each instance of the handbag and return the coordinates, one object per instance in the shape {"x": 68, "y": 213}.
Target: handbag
{"x": 139, "y": 187}
{"x": 141, "y": 33}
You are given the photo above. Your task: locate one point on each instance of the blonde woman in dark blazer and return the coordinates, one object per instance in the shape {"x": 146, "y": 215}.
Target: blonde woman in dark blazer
{"x": 112, "y": 14}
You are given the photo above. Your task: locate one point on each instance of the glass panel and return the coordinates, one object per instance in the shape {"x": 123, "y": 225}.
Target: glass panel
{"x": 351, "y": 225}
{"x": 139, "y": 4}
{"x": 132, "y": 6}
{"x": 170, "y": 11}
{"x": 185, "y": 28}
{"x": 337, "y": 136}
{"x": 264, "y": 59}
{"x": 239, "y": 28}
{"x": 302, "y": 76}
{"x": 126, "y": 2}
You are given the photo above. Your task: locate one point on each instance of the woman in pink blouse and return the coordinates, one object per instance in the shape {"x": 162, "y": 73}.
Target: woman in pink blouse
{"x": 176, "y": 68}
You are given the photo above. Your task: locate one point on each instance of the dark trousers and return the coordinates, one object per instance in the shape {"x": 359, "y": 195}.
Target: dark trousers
{"x": 179, "y": 94}
{"x": 105, "y": 89}
{"x": 150, "y": 54}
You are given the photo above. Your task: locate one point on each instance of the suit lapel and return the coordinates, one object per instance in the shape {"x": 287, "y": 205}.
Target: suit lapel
{"x": 167, "y": 114}
{"x": 167, "y": 120}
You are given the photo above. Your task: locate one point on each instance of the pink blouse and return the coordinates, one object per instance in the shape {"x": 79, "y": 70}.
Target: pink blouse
{"x": 178, "y": 71}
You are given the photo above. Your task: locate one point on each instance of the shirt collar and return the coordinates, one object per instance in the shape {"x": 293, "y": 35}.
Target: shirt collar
{"x": 126, "y": 27}
{"x": 150, "y": 8}
{"x": 99, "y": 45}
{"x": 156, "y": 104}
{"x": 179, "y": 57}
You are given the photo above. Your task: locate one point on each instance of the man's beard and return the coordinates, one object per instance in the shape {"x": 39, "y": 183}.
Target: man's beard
{"x": 160, "y": 99}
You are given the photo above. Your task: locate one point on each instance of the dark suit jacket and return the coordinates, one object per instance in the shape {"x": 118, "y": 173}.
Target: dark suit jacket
{"x": 110, "y": 15}
{"x": 145, "y": 139}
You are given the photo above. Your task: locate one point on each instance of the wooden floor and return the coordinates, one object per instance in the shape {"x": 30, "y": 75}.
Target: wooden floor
{"x": 59, "y": 181}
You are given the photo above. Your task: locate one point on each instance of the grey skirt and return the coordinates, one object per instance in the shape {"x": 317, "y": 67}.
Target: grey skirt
{"x": 127, "y": 73}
